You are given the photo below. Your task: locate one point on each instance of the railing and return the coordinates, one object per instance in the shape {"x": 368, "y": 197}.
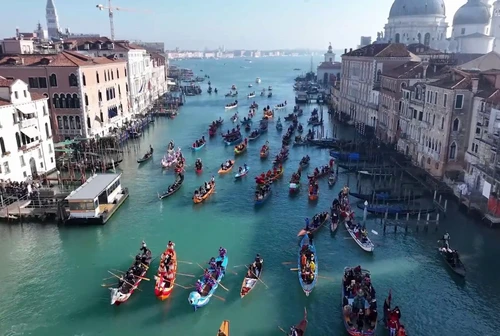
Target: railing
{"x": 28, "y": 122}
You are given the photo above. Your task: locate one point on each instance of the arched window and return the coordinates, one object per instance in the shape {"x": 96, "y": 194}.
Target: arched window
{"x": 117, "y": 73}
{"x": 397, "y": 38}
{"x": 419, "y": 38}
{"x": 73, "y": 81}
{"x": 69, "y": 101}
{"x": 18, "y": 140}
{"x": 47, "y": 132}
{"x": 65, "y": 122}
{"x": 97, "y": 77}
{"x": 76, "y": 100}
{"x": 99, "y": 94}
{"x": 53, "y": 80}
{"x": 456, "y": 125}
{"x": 55, "y": 101}
{"x": 77, "y": 122}
{"x": 62, "y": 101}
{"x": 59, "y": 122}
{"x": 88, "y": 122}
{"x": 119, "y": 89}
{"x": 379, "y": 75}
{"x": 84, "y": 80}
{"x": 72, "y": 122}
{"x": 453, "y": 150}
{"x": 427, "y": 39}
{"x": 86, "y": 100}
{"x": 49, "y": 103}
{"x": 2, "y": 146}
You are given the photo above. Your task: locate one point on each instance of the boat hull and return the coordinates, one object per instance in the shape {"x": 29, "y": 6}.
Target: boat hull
{"x": 161, "y": 291}
{"x": 365, "y": 246}
{"x": 196, "y": 300}
{"x": 243, "y": 173}
{"x": 195, "y": 149}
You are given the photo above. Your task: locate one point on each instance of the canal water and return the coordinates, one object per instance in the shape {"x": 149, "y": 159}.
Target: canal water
{"x": 51, "y": 276}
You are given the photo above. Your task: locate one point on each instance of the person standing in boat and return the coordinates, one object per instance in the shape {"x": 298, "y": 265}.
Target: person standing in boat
{"x": 258, "y": 263}
{"x": 445, "y": 240}
{"x": 150, "y": 149}
{"x": 144, "y": 248}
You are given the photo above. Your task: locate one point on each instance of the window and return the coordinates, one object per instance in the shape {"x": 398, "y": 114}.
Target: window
{"x": 18, "y": 140}
{"x": 21, "y": 160}
{"x": 463, "y": 31}
{"x": 73, "y": 81}
{"x": 445, "y": 99}
{"x": 84, "y": 80}
{"x": 6, "y": 168}
{"x": 88, "y": 122}
{"x": 55, "y": 100}
{"x": 435, "y": 97}
{"x": 99, "y": 94}
{"x": 47, "y": 131}
{"x": 86, "y": 100}
{"x": 33, "y": 82}
{"x": 72, "y": 122}
{"x": 453, "y": 151}
{"x": 420, "y": 116}
{"x": 105, "y": 76}
{"x": 118, "y": 72}
{"x": 459, "y": 101}
{"x": 97, "y": 77}
{"x": 125, "y": 69}
{"x": 53, "y": 80}
{"x": 65, "y": 122}
{"x": 77, "y": 122}
{"x": 427, "y": 39}
{"x": 44, "y": 109}
{"x": 76, "y": 100}
{"x": 397, "y": 38}
{"x": 112, "y": 75}
{"x": 478, "y": 130}
{"x": 442, "y": 123}
{"x": 50, "y": 148}
{"x": 59, "y": 122}
{"x": 39, "y": 153}
{"x": 2, "y": 146}
{"x": 16, "y": 94}
{"x": 69, "y": 101}
{"x": 456, "y": 125}
{"x": 433, "y": 119}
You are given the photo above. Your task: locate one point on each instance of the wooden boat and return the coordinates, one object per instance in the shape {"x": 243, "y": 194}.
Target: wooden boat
{"x": 254, "y": 135}
{"x": 264, "y": 199}
{"x": 303, "y": 164}
{"x": 224, "y": 171}
{"x": 125, "y": 291}
{"x": 277, "y": 107}
{"x": 457, "y": 268}
{"x": 176, "y": 187}
{"x": 264, "y": 152}
{"x": 224, "y": 329}
{"x": 233, "y": 142}
{"x": 304, "y": 245}
{"x": 314, "y": 229}
{"x": 382, "y": 209}
{"x": 249, "y": 283}
{"x": 162, "y": 291}
{"x": 243, "y": 172}
{"x": 197, "y": 299}
{"x": 313, "y": 196}
{"x": 334, "y": 223}
{"x": 238, "y": 151}
{"x": 367, "y": 245}
{"x": 197, "y": 200}
{"x": 199, "y": 147}
{"x": 279, "y": 174}
{"x": 301, "y": 327}
{"x": 231, "y": 106}
{"x": 145, "y": 158}
{"x": 349, "y": 324}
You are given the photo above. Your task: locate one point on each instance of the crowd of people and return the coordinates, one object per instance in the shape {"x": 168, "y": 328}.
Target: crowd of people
{"x": 307, "y": 262}
{"x": 19, "y": 189}
{"x": 167, "y": 268}
{"x": 133, "y": 275}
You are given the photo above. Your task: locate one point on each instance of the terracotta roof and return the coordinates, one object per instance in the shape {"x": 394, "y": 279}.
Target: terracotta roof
{"x": 380, "y": 50}
{"x": 4, "y": 102}
{"x": 415, "y": 69}
{"x": 422, "y": 49}
{"x": 62, "y": 59}
{"x": 453, "y": 80}
{"x": 37, "y": 96}
{"x": 328, "y": 65}
{"x": 5, "y": 82}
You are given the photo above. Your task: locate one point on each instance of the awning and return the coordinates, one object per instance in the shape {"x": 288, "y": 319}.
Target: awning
{"x": 30, "y": 132}
{"x": 171, "y": 83}
{"x": 26, "y": 109}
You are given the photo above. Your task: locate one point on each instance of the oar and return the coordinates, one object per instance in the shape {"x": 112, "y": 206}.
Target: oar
{"x": 108, "y": 285}
{"x": 213, "y": 278}
{"x": 118, "y": 277}
{"x": 282, "y": 330}
{"x": 375, "y": 232}
{"x": 111, "y": 277}
{"x": 324, "y": 277}
{"x": 239, "y": 265}
{"x": 288, "y": 262}
{"x": 114, "y": 269}
{"x": 301, "y": 233}
{"x": 294, "y": 269}
{"x": 142, "y": 278}
{"x": 258, "y": 278}
{"x": 185, "y": 262}
{"x": 181, "y": 286}
{"x": 188, "y": 275}
{"x": 218, "y": 297}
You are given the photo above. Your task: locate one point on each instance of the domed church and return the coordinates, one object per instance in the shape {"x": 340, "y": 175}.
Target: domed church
{"x": 475, "y": 26}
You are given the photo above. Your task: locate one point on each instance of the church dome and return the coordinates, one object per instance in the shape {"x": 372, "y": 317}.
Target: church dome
{"x": 473, "y": 12}
{"x": 417, "y": 7}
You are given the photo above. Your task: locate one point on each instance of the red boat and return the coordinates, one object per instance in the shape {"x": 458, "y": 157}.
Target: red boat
{"x": 165, "y": 278}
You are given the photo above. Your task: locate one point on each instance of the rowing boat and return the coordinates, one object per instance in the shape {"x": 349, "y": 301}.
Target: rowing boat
{"x": 162, "y": 291}
{"x": 224, "y": 329}
{"x": 197, "y": 200}
{"x": 199, "y": 147}
{"x": 249, "y": 282}
{"x": 259, "y": 201}
{"x": 316, "y": 228}
{"x": 243, "y": 172}
{"x": 457, "y": 268}
{"x": 228, "y": 107}
{"x": 172, "y": 191}
{"x": 334, "y": 223}
{"x": 264, "y": 152}
{"x": 238, "y": 151}
{"x": 313, "y": 196}
{"x": 367, "y": 245}
{"x": 197, "y": 299}
{"x": 301, "y": 327}
{"x": 145, "y": 158}
{"x": 227, "y": 170}
{"x": 307, "y": 248}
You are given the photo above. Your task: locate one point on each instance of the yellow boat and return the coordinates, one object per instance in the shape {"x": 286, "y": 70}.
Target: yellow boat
{"x": 224, "y": 329}
{"x": 224, "y": 171}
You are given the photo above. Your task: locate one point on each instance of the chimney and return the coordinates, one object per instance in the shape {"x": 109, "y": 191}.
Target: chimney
{"x": 345, "y": 51}
{"x": 475, "y": 84}
{"x": 350, "y": 49}
{"x": 17, "y": 32}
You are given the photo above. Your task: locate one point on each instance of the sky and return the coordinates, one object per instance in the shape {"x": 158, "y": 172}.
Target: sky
{"x": 199, "y": 24}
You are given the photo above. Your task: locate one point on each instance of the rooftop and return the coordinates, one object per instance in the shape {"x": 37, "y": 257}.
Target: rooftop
{"x": 94, "y": 186}
{"x": 78, "y": 43}
{"x": 380, "y": 50}
{"x": 415, "y": 69}
{"x": 329, "y": 65}
{"x": 62, "y": 59}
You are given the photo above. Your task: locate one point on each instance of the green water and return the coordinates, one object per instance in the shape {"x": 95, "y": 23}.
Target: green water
{"x": 51, "y": 276}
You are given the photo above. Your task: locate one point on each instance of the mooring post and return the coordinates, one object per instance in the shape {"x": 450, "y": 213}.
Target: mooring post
{"x": 445, "y": 204}
{"x": 365, "y": 212}
{"x": 435, "y": 194}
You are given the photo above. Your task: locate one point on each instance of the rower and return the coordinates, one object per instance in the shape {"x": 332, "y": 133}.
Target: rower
{"x": 144, "y": 248}
{"x": 293, "y": 331}
{"x": 258, "y": 262}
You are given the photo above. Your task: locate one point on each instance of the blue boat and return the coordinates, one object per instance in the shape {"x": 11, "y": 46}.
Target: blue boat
{"x": 307, "y": 249}
{"x": 263, "y": 199}
{"x": 198, "y": 300}
{"x": 234, "y": 142}
{"x": 199, "y": 147}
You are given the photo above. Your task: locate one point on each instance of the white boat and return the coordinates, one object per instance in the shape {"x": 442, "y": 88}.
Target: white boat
{"x": 366, "y": 246}
{"x": 251, "y": 95}
{"x": 231, "y": 107}
{"x": 257, "y": 80}
{"x": 280, "y": 107}
{"x": 250, "y": 85}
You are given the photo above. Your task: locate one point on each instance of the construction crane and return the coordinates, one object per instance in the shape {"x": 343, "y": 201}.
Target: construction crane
{"x": 111, "y": 10}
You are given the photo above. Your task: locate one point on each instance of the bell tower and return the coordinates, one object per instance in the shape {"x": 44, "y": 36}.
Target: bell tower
{"x": 329, "y": 55}
{"x": 52, "y": 20}
{"x": 495, "y": 26}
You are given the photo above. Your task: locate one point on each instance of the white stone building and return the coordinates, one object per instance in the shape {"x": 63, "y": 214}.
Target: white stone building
{"x": 26, "y": 145}
{"x": 329, "y": 71}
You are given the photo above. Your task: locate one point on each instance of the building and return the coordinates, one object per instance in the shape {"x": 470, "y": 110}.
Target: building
{"x": 364, "y": 41}
{"x": 53, "y": 28}
{"x": 152, "y": 47}
{"x": 88, "y": 95}
{"x": 329, "y": 71}
{"x": 26, "y": 143}
{"x": 360, "y": 82}
{"x": 159, "y": 79}
{"x": 139, "y": 67}
{"x": 17, "y": 45}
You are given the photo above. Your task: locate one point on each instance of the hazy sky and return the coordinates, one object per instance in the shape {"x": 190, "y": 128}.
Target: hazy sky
{"x": 195, "y": 24}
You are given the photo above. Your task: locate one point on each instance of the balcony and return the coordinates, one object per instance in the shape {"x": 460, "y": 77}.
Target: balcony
{"x": 70, "y": 132}
{"x": 31, "y": 146}
{"x": 28, "y": 123}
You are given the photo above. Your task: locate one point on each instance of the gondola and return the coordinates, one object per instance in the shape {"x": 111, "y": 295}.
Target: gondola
{"x": 146, "y": 157}
{"x": 307, "y": 247}
{"x": 224, "y": 329}
{"x": 457, "y": 268}
{"x": 197, "y": 200}
{"x": 334, "y": 223}
{"x": 162, "y": 291}
{"x": 314, "y": 229}
{"x": 249, "y": 282}
{"x": 176, "y": 186}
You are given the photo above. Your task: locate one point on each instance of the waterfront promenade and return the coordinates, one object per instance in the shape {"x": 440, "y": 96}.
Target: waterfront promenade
{"x": 51, "y": 276}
